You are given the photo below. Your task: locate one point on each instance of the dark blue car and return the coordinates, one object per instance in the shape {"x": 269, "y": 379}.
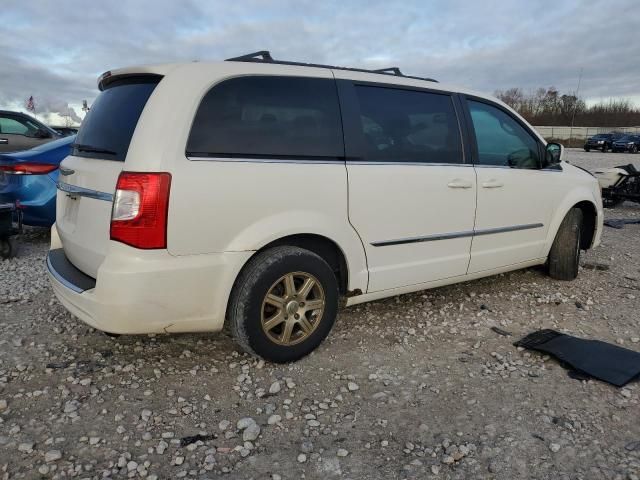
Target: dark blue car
{"x": 29, "y": 177}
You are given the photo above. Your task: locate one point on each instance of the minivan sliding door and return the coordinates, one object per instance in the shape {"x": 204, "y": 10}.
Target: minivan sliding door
{"x": 411, "y": 196}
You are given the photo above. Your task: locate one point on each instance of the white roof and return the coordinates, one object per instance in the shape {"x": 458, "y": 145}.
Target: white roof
{"x": 274, "y": 68}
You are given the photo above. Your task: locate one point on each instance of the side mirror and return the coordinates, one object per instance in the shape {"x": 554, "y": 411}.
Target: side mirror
{"x": 40, "y": 133}
{"x": 553, "y": 154}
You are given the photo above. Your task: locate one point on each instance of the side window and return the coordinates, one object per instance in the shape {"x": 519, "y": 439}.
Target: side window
{"x": 408, "y": 126}
{"x": 269, "y": 116}
{"x": 13, "y": 126}
{"x": 501, "y": 140}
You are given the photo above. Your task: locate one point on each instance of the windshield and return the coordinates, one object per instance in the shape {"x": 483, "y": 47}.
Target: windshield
{"x": 108, "y": 127}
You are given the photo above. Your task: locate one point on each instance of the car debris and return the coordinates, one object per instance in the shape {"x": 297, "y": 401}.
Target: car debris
{"x": 619, "y": 223}
{"x": 500, "y": 331}
{"x": 184, "y": 441}
{"x": 619, "y": 184}
{"x": 594, "y": 358}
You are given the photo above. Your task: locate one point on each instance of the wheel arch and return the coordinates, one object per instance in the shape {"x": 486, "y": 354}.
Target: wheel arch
{"x": 589, "y": 219}
{"x": 589, "y": 224}
{"x": 322, "y": 246}
{"x": 350, "y": 283}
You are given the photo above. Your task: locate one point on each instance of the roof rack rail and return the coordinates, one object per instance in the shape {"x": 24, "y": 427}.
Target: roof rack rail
{"x": 394, "y": 70}
{"x": 264, "y": 56}
{"x": 253, "y": 57}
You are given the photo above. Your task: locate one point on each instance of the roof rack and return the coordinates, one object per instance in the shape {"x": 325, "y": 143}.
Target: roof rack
{"x": 264, "y": 56}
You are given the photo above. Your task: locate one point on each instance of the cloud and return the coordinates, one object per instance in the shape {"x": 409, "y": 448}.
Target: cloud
{"x": 56, "y": 50}
{"x": 57, "y": 107}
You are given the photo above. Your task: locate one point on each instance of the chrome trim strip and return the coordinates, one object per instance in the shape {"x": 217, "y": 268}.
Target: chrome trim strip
{"x": 61, "y": 279}
{"x": 506, "y": 167}
{"x": 418, "y": 164}
{"x": 75, "y": 191}
{"x": 514, "y": 228}
{"x": 427, "y": 238}
{"x": 449, "y": 236}
{"x": 322, "y": 161}
{"x": 266, "y": 160}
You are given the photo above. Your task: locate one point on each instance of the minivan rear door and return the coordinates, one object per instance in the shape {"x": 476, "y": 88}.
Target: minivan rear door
{"x": 89, "y": 175}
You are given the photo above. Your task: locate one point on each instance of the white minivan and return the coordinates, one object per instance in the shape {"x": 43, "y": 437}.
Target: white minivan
{"x": 265, "y": 191}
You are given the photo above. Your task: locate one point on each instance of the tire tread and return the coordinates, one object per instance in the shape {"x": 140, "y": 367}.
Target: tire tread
{"x": 563, "y": 264}
{"x": 241, "y": 293}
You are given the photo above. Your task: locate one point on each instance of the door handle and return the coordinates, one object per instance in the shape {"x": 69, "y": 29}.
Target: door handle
{"x": 459, "y": 184}
{"x": 4, "y": 141}
{"x": 492, "y": 184}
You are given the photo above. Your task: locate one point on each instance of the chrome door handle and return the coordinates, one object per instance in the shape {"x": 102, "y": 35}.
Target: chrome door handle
{"x": 4, "y": 141}
{"x": 459, "y": 184}
{"x": 492, "y": 184}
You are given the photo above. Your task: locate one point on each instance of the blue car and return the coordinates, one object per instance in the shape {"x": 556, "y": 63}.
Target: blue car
{"x": 29, "y": 177}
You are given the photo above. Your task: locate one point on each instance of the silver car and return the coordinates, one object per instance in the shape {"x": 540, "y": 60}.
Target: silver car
{"x": 19, "y": 131}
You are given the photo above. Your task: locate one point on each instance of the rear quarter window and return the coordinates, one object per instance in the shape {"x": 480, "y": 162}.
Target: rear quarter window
{"x": 107, "y": 130}
{"x": 268, "y": 116}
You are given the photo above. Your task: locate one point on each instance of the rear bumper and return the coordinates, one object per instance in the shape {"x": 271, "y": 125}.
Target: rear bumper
{"x": 139, "y": 292}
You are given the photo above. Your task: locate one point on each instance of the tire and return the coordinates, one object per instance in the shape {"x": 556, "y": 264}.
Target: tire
{"x": 564, "y": 257}
{"x": 8, "y": 247}
{"x": 586, "y": 149}
{"x": 634, "y": 149}
{"x": 248, "y": 308}
{"x": 604, "y": 149}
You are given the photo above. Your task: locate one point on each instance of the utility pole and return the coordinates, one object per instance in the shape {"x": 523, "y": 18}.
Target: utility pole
{"x": 575, "y": 107}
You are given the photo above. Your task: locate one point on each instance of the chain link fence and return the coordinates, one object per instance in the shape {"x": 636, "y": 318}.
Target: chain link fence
{"x": 581, "y": 133}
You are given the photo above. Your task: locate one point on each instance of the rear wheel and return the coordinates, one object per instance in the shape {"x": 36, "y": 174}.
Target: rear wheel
{"x": 283, "y": 304}
{"x": 564, "y": 257}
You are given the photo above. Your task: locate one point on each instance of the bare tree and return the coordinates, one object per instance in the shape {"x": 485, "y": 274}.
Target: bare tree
{"x": 547, "y": 106}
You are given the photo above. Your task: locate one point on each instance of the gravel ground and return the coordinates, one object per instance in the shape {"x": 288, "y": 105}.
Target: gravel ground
{"x": 416, "y": 386}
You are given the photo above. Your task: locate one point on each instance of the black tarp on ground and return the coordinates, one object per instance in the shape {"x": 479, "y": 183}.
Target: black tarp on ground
{"x": 620, "y": 222}
{"x": 601, "y": 360}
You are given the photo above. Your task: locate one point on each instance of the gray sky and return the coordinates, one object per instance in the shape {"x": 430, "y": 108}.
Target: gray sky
{"x": 55, "y": 50}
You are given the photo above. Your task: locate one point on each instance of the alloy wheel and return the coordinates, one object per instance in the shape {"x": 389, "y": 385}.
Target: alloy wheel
{"x": 292, "y": 308}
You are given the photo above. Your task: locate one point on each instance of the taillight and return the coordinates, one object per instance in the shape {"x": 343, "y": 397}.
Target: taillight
{"x": 140, "y": 207}
{"x": 27, "y": 168}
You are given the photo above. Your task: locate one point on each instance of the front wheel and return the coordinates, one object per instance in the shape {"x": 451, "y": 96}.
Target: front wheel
{"x": 283, "y": 304}
{"x": 634, "y": 149}
{"x": 604, "y": 149}
{"x": 586, "y": 149}
{"x": 564, "y": 257}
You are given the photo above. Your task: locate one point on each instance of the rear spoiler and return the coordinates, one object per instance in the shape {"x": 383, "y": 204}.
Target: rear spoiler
{"x": 107, "y": 78}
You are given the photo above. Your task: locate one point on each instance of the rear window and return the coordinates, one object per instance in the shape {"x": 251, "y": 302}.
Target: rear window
{"x": 268, "y": 116}
{"x": 108, "y": 127}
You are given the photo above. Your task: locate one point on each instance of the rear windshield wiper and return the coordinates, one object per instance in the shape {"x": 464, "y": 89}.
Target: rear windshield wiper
{"x": 92, "y": 149}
